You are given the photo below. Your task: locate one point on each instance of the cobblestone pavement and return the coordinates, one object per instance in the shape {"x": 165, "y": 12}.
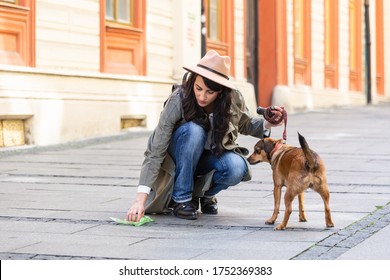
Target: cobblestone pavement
{"x": 55, "y": 202}
{"x": 341, "y": 241}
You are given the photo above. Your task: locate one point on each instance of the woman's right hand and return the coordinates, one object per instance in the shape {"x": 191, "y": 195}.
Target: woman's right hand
{"x": 137, "y": 210}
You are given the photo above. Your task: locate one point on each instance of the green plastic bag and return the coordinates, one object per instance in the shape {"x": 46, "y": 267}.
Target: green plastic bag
{"x": 144, "y": 220}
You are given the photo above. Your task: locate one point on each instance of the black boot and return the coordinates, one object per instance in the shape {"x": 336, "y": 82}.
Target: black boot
{"x": 209, "y": 205}
{"x": 185, "y": 210}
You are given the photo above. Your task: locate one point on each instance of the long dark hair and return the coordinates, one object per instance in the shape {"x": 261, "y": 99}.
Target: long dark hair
{"x": 221, "y": 114}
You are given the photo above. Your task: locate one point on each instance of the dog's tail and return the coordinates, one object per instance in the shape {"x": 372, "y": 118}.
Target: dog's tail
{"x": 311, "y": 161}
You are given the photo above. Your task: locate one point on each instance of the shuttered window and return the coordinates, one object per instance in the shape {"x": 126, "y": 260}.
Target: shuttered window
{"x": 122, "y": 37}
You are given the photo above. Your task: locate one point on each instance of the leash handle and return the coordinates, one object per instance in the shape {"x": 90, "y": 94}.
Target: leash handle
{"x": 274, "y": 117}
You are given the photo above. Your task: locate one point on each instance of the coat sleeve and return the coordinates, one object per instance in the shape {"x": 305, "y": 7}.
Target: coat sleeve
{"x": 247, "y": 124}
{"x": 159, "y": 140}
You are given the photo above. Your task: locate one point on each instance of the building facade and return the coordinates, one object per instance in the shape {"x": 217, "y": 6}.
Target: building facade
{"x": 77, "y": 69}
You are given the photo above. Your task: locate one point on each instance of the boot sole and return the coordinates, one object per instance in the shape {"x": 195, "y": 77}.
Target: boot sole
{"x": 189, "y": 217}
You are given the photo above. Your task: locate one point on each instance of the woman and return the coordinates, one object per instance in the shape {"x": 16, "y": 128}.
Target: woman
{"x": 192, "y": 155}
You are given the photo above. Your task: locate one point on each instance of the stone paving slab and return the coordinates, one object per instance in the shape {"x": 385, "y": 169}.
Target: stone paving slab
{"x": 41, "y": 227}
{"x": 85, "y": 247}
{"x": 55, "y": 202}
{"x": 372, "y": 248}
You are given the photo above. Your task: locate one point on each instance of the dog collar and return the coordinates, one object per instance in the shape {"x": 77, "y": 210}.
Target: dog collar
{"x": 277, "y": 146}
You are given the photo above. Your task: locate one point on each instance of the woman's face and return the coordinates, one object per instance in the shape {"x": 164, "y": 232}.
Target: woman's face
{"x": 204, "y": 96}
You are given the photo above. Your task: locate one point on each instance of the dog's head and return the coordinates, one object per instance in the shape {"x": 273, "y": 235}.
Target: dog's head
{"x": 263, "y": 150}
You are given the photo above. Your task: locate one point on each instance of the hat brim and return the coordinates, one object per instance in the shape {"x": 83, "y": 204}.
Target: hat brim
{"x": 211, "y": 76}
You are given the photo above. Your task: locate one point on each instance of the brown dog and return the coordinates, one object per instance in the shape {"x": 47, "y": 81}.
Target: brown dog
{"x": 296, "y": 168}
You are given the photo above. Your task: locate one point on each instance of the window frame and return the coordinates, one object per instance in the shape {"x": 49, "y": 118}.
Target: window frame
{"x": 131, "y": 14}
{"x": 380, "y": 60}
{"x": 122, "y": 39}
{"x": 18, "y": 20}
{"x": 302, "y": 36}
{"x": 331, "y": 55}
{"x": 12, "y": 2}
{"x": 355, "y": 45}
{"x": 225, "y": 44}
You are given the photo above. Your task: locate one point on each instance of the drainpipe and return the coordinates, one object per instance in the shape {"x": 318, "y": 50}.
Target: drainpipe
{"x": 203, "y": 29}
{"x": 367, "y": 49}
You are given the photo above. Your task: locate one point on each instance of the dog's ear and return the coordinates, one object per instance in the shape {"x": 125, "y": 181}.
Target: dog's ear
{"x": 269, "y": 146}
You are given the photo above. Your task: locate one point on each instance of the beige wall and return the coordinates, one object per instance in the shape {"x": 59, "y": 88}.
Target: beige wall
{"x": 67, "y": 34}
{"x": 62, "y": 107}
{"x": 309, "y": 97}
{"x": 239, "y": 40}
{"x": 159, "y": 37}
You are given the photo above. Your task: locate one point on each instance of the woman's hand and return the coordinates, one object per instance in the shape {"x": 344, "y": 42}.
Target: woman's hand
{"x": 137, "y": 210}
{"x": 268, "y": 125}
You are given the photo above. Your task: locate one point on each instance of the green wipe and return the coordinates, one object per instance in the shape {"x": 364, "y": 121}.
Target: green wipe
{"x": 144, "y": 220}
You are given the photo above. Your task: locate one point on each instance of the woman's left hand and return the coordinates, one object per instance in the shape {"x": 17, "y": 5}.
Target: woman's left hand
{"x": 268, "y": 125}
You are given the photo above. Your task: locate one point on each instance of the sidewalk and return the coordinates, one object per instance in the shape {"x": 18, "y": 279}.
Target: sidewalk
{"x": 55, "y": 202}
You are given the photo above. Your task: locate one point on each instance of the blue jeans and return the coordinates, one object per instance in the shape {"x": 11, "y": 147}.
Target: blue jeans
{"x": 191, "y": 159}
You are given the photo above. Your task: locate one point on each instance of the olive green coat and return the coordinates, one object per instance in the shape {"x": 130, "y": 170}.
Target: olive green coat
{"x": 158, "y": 168}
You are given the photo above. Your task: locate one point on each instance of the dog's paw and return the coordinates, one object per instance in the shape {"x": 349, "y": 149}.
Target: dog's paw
{"x": 330, "y": 225}
{"x": 280, "y": 227}
{"x": 302, "y": 217}
{"x": 270, "y": 222}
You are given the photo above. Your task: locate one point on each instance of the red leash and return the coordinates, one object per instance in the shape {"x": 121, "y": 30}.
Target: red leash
{"x": 275, "y": 117}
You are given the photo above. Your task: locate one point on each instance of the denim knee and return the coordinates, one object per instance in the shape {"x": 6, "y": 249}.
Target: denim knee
{"x": 236, "y": 173}
{"x": 196, "y": 134}
{"x": 190, "y": 135}
{"x": 230, "y": 170}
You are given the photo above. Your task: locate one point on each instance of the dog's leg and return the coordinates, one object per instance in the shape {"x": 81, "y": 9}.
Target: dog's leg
{"x": 288, "y": 199}
{"x": 324, "y": 192}
{"x": 301, "y": 203}
{"x": 277, "y": 197}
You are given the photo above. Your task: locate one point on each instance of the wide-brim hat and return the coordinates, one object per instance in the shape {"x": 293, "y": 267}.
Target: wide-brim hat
{"x": 213, "y": 67}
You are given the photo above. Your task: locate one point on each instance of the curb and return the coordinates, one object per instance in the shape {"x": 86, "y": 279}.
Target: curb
{"x": 340, "y": 242}
{"x": 5, "y": 152}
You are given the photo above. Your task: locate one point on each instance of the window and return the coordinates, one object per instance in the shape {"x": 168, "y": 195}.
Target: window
{"x": 355, "y": 48}
{"x": 380, "y": 60}
{"x": 17, "y": 32}
{"x": 122, "y": 38}
{"x": 331, "y": 43}
{"x": 302, "y": 48}
{"x": 220, "y": 28}
{"x": 119, "y": 11}
{"x": 214, "y": 20}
